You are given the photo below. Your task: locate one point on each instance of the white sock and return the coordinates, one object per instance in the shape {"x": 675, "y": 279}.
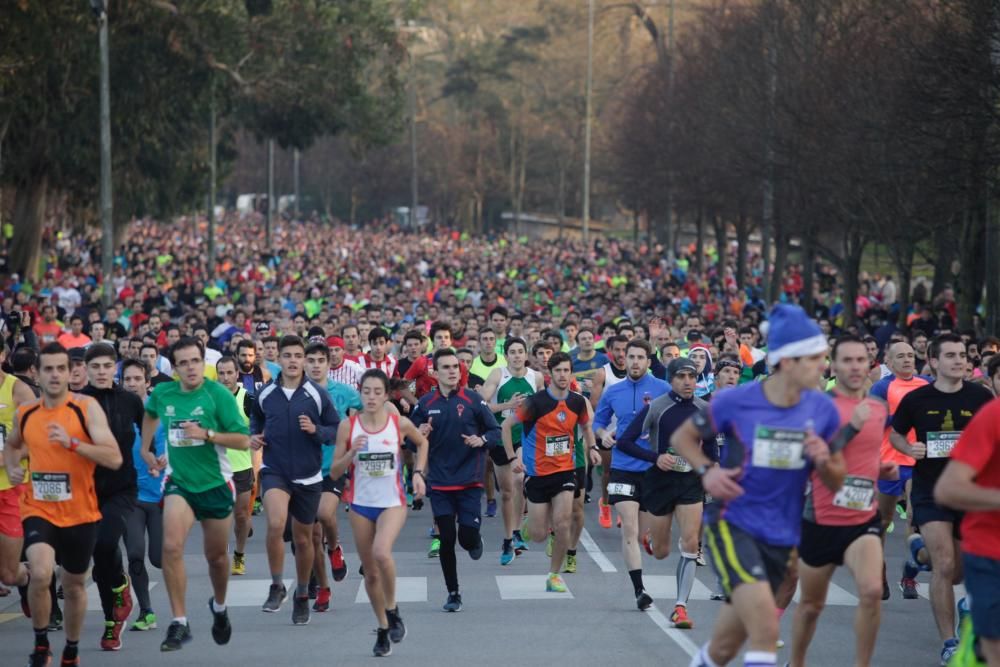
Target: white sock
{"x": 218, "y": 608}
{"x": 759, "y": 659}
{"x": 183, "y": 620}
{"x": 702, "y": 659}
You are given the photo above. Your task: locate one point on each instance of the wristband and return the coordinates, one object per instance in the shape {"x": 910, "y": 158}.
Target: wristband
{"x": 73, "y": 444}
{"x": 421, "y": 473}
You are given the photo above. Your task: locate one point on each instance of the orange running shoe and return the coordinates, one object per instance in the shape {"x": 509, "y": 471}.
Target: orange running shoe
{"x": 604, "y": 514}
{"x": 680, "y": 618}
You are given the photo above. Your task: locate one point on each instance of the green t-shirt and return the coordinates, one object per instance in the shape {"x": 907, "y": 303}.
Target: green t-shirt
{"x": 509, "y": 387}
{"x": 192, "y": 464}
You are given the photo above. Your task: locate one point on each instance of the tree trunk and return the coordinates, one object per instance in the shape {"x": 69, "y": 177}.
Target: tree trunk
{"x": 699, "y": 260}
{"x": 969, "y": 289}
{"x": 904, "y": 267}
{"x": 28, "y": 220}
{"x": 720, "y": 243}
{"x": 780, "y": 259}
{"x": 808, "y": 280}
{"x": 944, "y": 254}
{"x": 854, "y": 247}
{"x": 561, "y": 199}
{"x": 742, "y": 240}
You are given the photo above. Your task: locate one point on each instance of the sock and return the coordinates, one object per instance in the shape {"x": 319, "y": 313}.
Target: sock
{"x": 686, "y": 568}
{"x": 636, "y": 577}
{"x": 301, "y": 590}
{"x": 517, "y": 535}
{"x": 183, "y": 620}
{"x": 70, "y": 650}
{"x": 571, "y": 552}
{"x": 702, "y": 659}
{"x": 507, "y": 543}
{"x": 218, "y": 608}
{"x": 910, "y": 571}
{"x": 759, "y": 659}
{"x": 42, "y": 638}
{"x": 276, "y": 580}
{"x": 238, "y": 553}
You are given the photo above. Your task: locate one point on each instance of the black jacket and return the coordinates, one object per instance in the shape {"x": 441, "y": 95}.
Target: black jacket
{"x": 124, "y": 412}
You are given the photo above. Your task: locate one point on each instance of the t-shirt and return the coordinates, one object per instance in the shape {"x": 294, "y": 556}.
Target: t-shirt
{"x": 584, "y": 370}
{"x": 775, "y": 469}
{"x": 549, "y": 429}
{"x": 892, "y": 389}
{"x": 195, "y": 464}
{"x": 509, "y": 387}
{"x": 939, "y": 419}
{"x": 979, "y": 448}
{"x": 855, "y": 502}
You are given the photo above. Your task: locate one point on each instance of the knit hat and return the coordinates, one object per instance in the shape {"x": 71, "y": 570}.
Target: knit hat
{"x": 792, "y": 333}
{"x": 681, "y": 364}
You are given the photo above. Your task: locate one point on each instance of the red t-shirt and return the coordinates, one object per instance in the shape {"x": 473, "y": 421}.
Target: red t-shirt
{"x": 419, "y": 374}
{"x": 979, "y": 447}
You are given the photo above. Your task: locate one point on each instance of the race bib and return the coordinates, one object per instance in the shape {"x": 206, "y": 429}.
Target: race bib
{"x": 681, "y": 464}
{"x": 940, "y": 443}
{"x": 619, "y": 489}
{"x": 778, "y": 448}
{"x": 51, "y": 487}
{"x": 557, "y": 445}
{"x": 377, "y": 464}
{"x": 179, "y": 439}
{"x": 857, "y": 493}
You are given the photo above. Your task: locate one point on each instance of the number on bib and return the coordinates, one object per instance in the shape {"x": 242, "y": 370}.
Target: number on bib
{"x": 940, "y": 443}
{"x": 377, "y": 464}
{"x": 51, "y": 487}
{"x": 557, "y": 445}
{"x": 177, "y": 437}
{"x": 681, "y": 464}
{"x": 857, "y": 493}
{"x": 620, "y": 489}
{"x": 778, "y": 448}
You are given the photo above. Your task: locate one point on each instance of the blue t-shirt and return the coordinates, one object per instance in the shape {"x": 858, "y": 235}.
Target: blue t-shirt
{"x": 775, "y": 471}
{"x": 623, "y": 401}
{"x": 150, "y": 488}
{"x": 344, "y": 398}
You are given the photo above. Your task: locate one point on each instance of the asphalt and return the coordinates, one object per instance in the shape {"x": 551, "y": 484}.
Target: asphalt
{"x": 507, "y": 618}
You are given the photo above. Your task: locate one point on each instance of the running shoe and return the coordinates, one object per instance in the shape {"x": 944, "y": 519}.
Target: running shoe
{"x": 491, "y": 508}
{"x": 222, "y": 630}
{"x": 338, "y": 564}
{"x": 383, "y": 647}
{"x": 454, "y": 602}
{"x": 555, "y": 584}
{"x": 146, "y": 621}
{"x": 418, "y": 504}
{"x": 475, "y": 553}
{"x": 901, "y": 509}
{"x": 680, "y": 618}
{"x": 549, "y": 541}
{"x": 257, "y": 507}
{"x": 435, "y": 548}
{"x": 300, "y": 610}
{"x": 409, "y": 499}
{"x": 643, "y": 600}
{"x": 111, "y": 640}
{"x": 604, "y": 514}
{"x": 55, "y": 619}
{"x": 519, "y": 543}
{"x": 275, "y": 598}
{"x": 916, "y": 544}
{"x": 962, "y": 612}
{"x": 569, "y": 566}
{"x": 239, "y": 565}
{"x": 909, "y": 589}
{"x": 40, "y": 657}
{"x": 397, "y": 630}
{"x": 313, "y": 587}
{"x": 949, "y": 649}
{"x": 69, "y": 662}
{"x": 122, "y": 605}
{"x": 178, "y": 634}
{"x": 647, "y": 543}
{"x": 322, "y": 600}
{"x": 507, "y": 555}
{"x": 717, "y": 596}
{"x": 700, "y": 560}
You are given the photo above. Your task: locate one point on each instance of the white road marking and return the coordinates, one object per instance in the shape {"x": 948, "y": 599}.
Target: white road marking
{"x": 408, "y": 589}
{"x": 678, "y": 636}
{"x": 249, "y": 592}
{"x": 835, "y": 595}
{"x": 595, "y": 552}
{"x": 94, "y": 597}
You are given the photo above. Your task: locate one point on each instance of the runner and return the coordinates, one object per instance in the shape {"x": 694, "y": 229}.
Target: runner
{"x": 369, "y": 447}
{"x": 342, "y": 369}
{"x": 617, "y": 407}
{"x": 116, "y": 491}
{"x": 458, "y": 424}
{"x": 13, "y": 393}
{"x": 901, "y": 360}
{"x": 241, "y": 464}
{"x": 938, "y": 413}
{"x": 776, "y": 432}
{"x": 379, "y": 357}
{"x": 508, "y": 386}
{"x": 844, "y": 528}
{"x": 549, "y": 419}
{"x": 613, "y": 372}
{"x": 201, "y": 420}
{"x": 489, "y": 359}
{"x": 292, "y": 418}
{"x": 251, "y": 375}
{"x": 971, "y": 483}
{"x": 147, "y": 515}
{"x": 59, "y": 505}
{"x": 347, "y": 401}
{"x": 670, "y": 486}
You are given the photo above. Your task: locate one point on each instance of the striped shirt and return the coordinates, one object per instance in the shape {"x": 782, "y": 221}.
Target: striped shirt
{"x": 388, "y": 365}
{"x": 348, "y": 373}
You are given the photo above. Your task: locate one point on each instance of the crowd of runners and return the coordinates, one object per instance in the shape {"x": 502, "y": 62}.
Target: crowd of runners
{"x": 389, "y": 372}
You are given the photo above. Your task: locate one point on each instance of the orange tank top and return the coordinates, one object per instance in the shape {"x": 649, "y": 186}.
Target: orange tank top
{"x": 60, "y": 486}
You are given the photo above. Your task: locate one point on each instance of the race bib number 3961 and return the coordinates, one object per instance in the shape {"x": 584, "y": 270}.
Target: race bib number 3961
{"x": 778, "y": 448}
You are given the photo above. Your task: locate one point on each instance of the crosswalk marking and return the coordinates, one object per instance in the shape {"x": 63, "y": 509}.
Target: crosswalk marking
{"x": 247, "y": 592}
{"x": 527, "y": 587}
{"x": 664, "y": 587}
{"x": 595, "y": 552}
{"x": 94, "y": 597}
{"x": 925, "y": 591}
{"x": 408, "y": 589}
{"x": 835, "y": 595}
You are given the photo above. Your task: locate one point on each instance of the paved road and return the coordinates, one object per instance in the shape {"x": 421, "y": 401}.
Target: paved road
{"x": 508, "y": 618}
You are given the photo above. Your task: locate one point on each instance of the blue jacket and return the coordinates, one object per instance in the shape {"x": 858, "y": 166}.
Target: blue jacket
{"x": 290, "y": 451}
{"x": 624, "y": 401}
{"x": 452, "y": 464}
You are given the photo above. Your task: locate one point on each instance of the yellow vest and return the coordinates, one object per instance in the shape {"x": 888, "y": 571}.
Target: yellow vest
{"x": 7, "y": 411}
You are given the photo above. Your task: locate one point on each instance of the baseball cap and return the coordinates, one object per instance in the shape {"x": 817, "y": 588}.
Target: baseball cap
{"x": 77, "y": 354}
{"x": 679, "y": 365}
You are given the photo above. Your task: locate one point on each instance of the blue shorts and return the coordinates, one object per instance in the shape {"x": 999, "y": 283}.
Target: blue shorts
{"x": 464, "y": 504}
{"x": 982, "y": 583}
{"x": 370, "y": 513}
{"x": 896, "y": 487}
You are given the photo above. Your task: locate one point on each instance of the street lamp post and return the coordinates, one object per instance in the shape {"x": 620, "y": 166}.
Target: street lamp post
{"x": 107, "y": 232}
{"x": 587, "y": 122}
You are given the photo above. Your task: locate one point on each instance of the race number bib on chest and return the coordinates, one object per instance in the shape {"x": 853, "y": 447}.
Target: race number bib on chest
{"x": 51, "y": 487}
{"x": 940, "y": 443}
{"x": 779, "y": 448}
{"x": 377, "y": 464}
{"x": 178, "y": 438}
{"x": 557, "y": 445}
{"x": 857, "y": 493}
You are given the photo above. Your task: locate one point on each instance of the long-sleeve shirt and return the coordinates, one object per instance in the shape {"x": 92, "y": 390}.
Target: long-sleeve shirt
{"x": 654, "y": 425}
{"x": 624, "y": 400}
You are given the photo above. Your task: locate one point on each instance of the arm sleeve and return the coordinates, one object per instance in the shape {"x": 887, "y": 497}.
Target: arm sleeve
{"x": 257, "y": 416}
{"x": 658, "y": 369}
{"x": 628, "y": 444}
{"x": 488, "y": 424}
{"x": 326, "y": 430}
{"x": 603, "y": 413}
{"x": 416, "y": 369}
{"x": 902, "y": 420}
{"x": 980, "y": 439}
{"x": 417, "y": 415}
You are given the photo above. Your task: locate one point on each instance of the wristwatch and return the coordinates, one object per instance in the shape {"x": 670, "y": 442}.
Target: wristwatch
{"x": 209, "y": 435}
{"x": 73, "y": 444}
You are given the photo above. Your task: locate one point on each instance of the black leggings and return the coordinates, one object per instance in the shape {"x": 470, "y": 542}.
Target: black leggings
{"x": 108, "y": 570}
{"x": 467, "y": 537}
{"x": 145, "y": 519}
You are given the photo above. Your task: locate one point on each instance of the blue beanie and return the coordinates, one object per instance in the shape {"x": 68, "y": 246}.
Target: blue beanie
{"x": 792, "y": 333}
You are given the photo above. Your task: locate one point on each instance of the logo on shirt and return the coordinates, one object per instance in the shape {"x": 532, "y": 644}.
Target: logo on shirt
{"x": 433, "y": 412}
{"x": 460, "y": 408}
{"x": 198, "y": 411}
{"x": 646, "y": 399}
{"x": 170, "y": 412}
{"x": 561, "y": 416}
